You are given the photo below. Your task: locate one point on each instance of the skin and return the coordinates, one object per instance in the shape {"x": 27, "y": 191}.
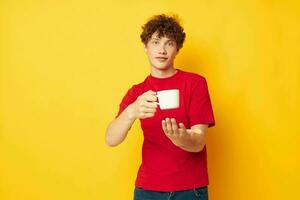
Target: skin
{"x": 161, "y": 47}
{"x": 191, "y": 140}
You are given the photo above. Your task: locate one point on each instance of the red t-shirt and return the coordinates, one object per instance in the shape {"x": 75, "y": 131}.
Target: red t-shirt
{"x": 166, "y": 167}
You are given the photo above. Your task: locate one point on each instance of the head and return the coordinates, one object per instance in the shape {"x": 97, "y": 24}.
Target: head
{"x": 163, "y": 37}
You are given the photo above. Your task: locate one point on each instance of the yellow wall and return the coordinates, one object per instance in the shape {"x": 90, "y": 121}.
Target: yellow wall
{"x": 65, "y": 65}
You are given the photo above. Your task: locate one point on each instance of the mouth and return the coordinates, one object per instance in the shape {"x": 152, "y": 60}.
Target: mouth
{"x": 162, "y": 59}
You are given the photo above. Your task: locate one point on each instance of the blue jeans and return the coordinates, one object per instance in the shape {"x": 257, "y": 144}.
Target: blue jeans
{"x": 194, "y": 194}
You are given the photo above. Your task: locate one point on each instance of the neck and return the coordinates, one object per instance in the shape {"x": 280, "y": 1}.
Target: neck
{"x": 163, "y": 73}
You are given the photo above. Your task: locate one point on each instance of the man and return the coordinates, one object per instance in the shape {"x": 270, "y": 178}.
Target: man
{"x": 174, "y": 164}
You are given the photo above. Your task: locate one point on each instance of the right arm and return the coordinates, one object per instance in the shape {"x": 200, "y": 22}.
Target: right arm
{"x": 143, "y": 107}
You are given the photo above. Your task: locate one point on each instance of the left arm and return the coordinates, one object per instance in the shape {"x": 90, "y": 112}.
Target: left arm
{"x": 192, "y": 140}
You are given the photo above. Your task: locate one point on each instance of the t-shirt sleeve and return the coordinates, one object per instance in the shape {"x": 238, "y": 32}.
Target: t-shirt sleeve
{"x": 129, "y": 98}
{"x": 200, "y": 110}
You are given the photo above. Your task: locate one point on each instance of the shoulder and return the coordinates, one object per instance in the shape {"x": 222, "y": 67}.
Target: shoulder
{"x": 193, "y": 77}
{"x": 137, "y": 88}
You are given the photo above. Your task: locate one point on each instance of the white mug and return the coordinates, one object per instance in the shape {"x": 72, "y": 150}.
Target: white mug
{"x": 168, "y": 99}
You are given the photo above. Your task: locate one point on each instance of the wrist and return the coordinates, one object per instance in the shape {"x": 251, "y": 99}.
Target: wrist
{"x": 190, "y": 144}
{"x": 130, "y": 113}
{"x": 192, "y": 149}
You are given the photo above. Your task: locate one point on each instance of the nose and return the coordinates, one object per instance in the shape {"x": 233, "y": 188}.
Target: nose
{"x": 162, "y": 50}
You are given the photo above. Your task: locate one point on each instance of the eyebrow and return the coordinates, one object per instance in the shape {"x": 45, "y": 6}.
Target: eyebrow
{"x": 155, "y": 38}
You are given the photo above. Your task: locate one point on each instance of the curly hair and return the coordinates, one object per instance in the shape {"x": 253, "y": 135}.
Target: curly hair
{"x": 164, "y": 25}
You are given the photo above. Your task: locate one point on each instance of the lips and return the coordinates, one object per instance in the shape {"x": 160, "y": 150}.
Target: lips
{"x": 161, "y": 58}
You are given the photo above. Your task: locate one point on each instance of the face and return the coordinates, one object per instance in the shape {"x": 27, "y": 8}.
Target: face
{"x": 161, "y": 51}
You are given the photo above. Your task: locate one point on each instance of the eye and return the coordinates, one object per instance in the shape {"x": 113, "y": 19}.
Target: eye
{"x": 155, "y": 42}
{"x": 171, "y": 44}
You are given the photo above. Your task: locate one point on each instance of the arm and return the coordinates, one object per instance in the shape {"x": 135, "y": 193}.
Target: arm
{"x": 117, "y": 130}
{"x": 142, "y": 108}
{"x": 200, "y": 110}
{"x": 192, "y": 140}
{"x": 197, "y": 138}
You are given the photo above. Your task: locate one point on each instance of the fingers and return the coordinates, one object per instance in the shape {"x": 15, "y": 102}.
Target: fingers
{"x": 182, "y": 128}
{"x": 146, "y": 115}
{"x": 164, "y": 126}
{"x": 150, "y": 96}
{"x": 149, "y": 104}
{"x": 150, "y": 92}
{"x": 174, "y": 126}
{"x": 169, "y": 126}
{"x": 146, "y": 105}
{"x": 147, "y": 110}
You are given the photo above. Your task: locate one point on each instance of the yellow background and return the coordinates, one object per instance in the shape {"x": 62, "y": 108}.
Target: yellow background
{"x": 65, "y": 65}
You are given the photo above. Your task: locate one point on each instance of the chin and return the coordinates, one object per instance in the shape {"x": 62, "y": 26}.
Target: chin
{"x": 161, "y": 67}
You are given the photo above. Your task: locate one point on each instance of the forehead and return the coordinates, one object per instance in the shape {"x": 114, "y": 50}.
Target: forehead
{"x": 163, "y": 37}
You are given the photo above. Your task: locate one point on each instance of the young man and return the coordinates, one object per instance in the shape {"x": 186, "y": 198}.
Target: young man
{"x": 174, "y": 164}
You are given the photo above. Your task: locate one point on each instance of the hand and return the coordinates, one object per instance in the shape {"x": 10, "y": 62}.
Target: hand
{"x": 144, "y": 106}
{"x": 180, "y": 136}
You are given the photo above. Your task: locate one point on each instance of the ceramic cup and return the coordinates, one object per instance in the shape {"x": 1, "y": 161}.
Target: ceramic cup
{"x": 168, "y": 99}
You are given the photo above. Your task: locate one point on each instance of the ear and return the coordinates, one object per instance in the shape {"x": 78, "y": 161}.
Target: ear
{"x": 145, "y": 48}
